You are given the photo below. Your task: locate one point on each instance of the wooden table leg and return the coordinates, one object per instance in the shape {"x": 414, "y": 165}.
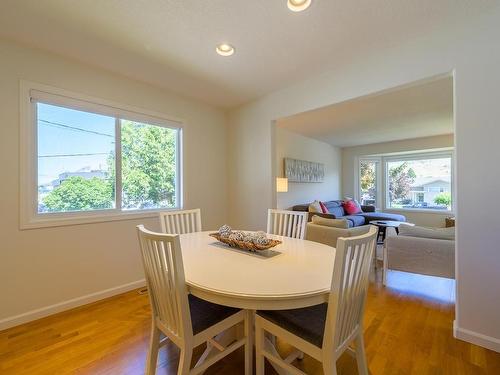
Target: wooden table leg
{"x": 383, "y": 231}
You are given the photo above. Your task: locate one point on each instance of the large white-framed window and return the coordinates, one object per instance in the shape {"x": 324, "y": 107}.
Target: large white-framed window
{"x": 85, "y": 159}
{"x": 422, "y": 181}
{"x": 410, "y": 181}
{"x": 370, "y": 181}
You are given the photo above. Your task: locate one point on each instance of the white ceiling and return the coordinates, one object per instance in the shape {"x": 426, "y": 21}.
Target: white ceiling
{"x": 170, "y": 43}
{"x": 420, "y": 110}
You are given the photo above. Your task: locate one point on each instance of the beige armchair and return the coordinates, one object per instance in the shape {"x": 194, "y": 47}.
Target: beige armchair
{"x": 427, "y": 251}
{"x": 328, "y": 235}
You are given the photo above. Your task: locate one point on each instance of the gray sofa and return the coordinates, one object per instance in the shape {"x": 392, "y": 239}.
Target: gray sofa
{"x": 336, "y": 211}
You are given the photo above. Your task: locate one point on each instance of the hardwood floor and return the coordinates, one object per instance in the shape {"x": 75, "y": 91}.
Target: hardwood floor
{"x": 408, "y": 330}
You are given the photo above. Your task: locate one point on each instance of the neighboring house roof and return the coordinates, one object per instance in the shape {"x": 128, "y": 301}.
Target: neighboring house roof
{"x": 85, "y": 172}
{"x": 423, "y": 181}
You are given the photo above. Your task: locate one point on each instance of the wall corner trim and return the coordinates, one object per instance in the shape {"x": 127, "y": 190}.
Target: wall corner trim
{"x": 29, "y": 316}
{"x": 487, "y": 342}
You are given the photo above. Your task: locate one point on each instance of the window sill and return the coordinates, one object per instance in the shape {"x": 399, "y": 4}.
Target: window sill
{"x": 421, "y": 211}
{"x": 75, "y": 219}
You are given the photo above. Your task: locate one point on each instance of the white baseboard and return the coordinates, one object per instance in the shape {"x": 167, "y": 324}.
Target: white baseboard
{"x": 69, "y": 304}
{"x": 476, "y": 338}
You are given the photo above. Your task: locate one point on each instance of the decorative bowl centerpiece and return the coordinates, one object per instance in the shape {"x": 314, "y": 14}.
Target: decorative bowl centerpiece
{"x": 251, "y": 241}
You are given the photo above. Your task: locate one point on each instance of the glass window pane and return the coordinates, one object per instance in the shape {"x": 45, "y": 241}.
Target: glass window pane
{"x": 368, "y": 182}
{"x": 76, "y": 160}
{"x": 149, "y": 166}
{"x": 420, "y": 184}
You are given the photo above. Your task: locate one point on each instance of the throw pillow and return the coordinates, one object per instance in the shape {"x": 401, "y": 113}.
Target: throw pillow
{"x": 323, "y": 208}
{"x": 337, "y": 223}
{"x": 352, "y": 207}
{"x": 315, "y": 207}
{"x": 423, "y": 232}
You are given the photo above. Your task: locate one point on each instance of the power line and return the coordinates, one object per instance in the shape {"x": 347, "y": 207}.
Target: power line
{"x": 67, "y": 155}
{"x": 74, "y": 128}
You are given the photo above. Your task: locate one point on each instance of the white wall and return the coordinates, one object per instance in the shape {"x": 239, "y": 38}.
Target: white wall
{"x": 350, "y": 156}
{"x": 42, "y": 267}
{"x": 472, "y": 52}
{"x": 296, "y": 146}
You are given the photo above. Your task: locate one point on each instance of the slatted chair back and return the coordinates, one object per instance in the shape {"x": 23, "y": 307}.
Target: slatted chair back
{"x": 346, "y": 303}
{"x": 181, "y": 222}
{"x": 163, "y": 267}
{"x": 287, "y": 223}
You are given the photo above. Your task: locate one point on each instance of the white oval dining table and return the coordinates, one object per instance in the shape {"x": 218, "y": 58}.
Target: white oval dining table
{"x": 298, "y": 275}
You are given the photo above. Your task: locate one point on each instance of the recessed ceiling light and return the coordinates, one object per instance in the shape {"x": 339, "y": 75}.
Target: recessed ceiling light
{"x": 298, "y": 5}
{"x": 225, "y": 49}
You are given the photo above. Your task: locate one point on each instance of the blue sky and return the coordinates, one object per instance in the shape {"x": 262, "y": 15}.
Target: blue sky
{"x": 60, "y": 140}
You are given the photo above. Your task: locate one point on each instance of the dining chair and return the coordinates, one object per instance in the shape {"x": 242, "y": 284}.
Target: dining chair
{"x": 325, "y": 331}
{"x": 287, "y": 223}
{"x": 186, "y": 320}
{"x": 181, "y": 222}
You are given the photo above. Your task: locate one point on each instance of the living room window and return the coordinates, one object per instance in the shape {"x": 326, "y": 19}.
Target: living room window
{"x": 419, "y": 182}
{"x": 416, "y": 181}
{"x": 369, "y": 176}
{"x": 91, "y": 160}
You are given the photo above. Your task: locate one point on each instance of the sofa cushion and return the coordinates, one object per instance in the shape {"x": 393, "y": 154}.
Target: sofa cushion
{"x": 335, "y": 208}
{"x": 355, "y": 220}
{"x": 370, "y": 216}
{"x": 352, "y": 207}
{"x": 323, "y": 208}
{"x": 423, "y": 232}
{"x": 315, "y": 207}
{"x": 337, "y": 223}
{"x": 310, "y": 215}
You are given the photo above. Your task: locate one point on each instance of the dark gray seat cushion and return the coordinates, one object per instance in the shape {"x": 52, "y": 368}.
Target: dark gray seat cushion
{"x": 369, "y": 216}
{"x": 355, "y": 220}
{"x": 368, "y": 208}
{"x": 205, "y": 314}
{"x": 308, "y": 323}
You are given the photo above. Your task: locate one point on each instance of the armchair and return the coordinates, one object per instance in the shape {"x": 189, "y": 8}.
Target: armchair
{"x": 328, "y": 235}
{"x": 421, "y": 250}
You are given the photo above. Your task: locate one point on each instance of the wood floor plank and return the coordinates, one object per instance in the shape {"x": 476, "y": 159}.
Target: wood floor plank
{"x": 406, "y": 332}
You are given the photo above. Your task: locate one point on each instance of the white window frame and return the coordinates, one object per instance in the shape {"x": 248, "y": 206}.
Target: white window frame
{"x": 382, "y": 177}
{"x": 418, "y": 156}
{"x": 30, "y": 94}
{"x": 378, "y": 178}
